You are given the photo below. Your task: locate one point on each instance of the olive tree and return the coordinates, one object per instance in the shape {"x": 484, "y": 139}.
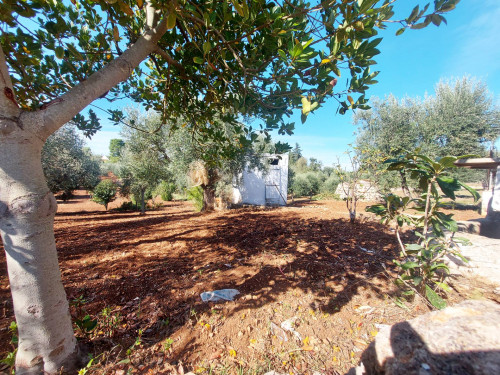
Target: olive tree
{"x": 68, "y": 164}
{"x": 254, "y": 58}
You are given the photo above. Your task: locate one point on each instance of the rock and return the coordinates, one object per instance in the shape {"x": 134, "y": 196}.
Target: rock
{"x": 462, "y": 339}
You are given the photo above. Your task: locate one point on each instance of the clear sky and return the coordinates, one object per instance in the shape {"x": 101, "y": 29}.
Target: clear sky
{"x": 410, "y": 65}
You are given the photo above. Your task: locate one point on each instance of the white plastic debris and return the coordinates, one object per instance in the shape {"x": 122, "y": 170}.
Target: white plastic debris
{"x": 219, "y": 295}
{"x": 279, "y": 332}
{"x": 287, "y": 325}
{"x": 366, "y": 250}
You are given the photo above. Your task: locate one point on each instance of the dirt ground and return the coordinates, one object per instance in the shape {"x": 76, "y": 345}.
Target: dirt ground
{"x": 302, "y": 267}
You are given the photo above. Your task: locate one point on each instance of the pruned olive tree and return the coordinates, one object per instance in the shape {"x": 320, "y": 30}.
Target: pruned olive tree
{"x": 256, "y": 58}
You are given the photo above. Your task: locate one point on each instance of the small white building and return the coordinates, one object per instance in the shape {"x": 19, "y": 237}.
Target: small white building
{"x": 264, "y": 187}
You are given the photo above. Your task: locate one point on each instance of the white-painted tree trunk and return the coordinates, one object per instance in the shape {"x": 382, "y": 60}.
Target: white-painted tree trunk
{"x": 27, "y": 208}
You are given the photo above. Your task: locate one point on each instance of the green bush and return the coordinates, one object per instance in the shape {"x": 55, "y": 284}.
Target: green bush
{"x": 104, "y": 192}
{"x": 165, "y": 190}
{"x": 306, "y": 184}
{"x": 196, "y": 195}
{"x": 127, "y": 206}
{"x": 329, "y": 186}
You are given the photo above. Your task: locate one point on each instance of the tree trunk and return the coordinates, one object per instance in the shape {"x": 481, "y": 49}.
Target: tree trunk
{"x": 143, "y": 205}
{"x": 27, "y": 209}
{"x": 208, "y": 198}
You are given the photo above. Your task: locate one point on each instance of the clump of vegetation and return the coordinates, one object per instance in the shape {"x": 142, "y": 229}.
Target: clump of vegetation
{"x": 196, "y": 195}
{"x": 104, "y": 193}
{"x": 165, "y": 190}
{"x": 422, "y": 268}
{"x": 10, "y": 358}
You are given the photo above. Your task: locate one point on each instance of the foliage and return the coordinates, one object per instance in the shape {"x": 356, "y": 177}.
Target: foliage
{"x": 10, "y": 358}
{"x": 109, "y": 321}
{"x": 329, "y": 186}
{"x": 165, "y": 190}
{"x": 422, "y": 268}
{"x": 306, "y": 184}
{"x": 295, "y": 154}
{"x": 353, "y": 186}
{"x": 460, "y": 118}
{"x": 104, "y": 192}
{"x": 285, "y": 44}
{"x": 67, "y": 164}
{"x": 144, "y": 163}
{"x": 196, "y": 195}
{"x": 115, "y": 148}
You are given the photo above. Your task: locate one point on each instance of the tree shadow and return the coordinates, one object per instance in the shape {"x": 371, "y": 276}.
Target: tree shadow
{"x": 159, "y": 264}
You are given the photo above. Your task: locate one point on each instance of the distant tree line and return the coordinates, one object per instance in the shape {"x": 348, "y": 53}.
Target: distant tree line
{"x": 460, "y": 118}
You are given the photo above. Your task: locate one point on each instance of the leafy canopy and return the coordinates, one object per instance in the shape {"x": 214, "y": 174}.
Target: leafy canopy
{"x": 257, "y": 58}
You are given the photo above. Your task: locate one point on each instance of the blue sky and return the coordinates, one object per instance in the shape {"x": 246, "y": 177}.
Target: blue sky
{"x": 410, "y": 64}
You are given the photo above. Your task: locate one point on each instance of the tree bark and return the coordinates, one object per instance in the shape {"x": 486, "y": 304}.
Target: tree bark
{"x": 27, "y": 209}
{"x": 143, "y": 205}
{"x": 208, "y": 198}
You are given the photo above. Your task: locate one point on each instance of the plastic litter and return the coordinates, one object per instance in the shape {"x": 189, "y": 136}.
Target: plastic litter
{"x": 287, "y": 325}
{"x": 366, "y": 250}
{"x": 279, "y": 332}
{"x": 219, "y": 295}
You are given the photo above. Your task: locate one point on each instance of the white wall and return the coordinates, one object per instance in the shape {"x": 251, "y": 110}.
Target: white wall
{"x": 253, "y": 185}
{"x": 495, "y": 204}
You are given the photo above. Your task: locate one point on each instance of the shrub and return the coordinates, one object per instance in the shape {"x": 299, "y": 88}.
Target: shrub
{"x": 330, "y": 185}
{"x": 104, "y": 192}
{"x": 422, "y": 268}
{"x": 306, "y": 184}
{"x": 196, "y": 195}
{"x": 127, "y": 206}
{"x": 165, "y": 190}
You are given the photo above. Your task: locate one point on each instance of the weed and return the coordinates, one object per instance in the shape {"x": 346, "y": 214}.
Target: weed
{"x": 84, "y": 370}
{"x": 10, "y": 358}
{"x": 109, "y": 321}
{"x": 137, "y": 343}
{"x": 167, "y": 344}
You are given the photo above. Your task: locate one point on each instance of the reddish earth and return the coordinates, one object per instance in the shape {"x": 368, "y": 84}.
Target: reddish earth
{"x": 141, "y": 277}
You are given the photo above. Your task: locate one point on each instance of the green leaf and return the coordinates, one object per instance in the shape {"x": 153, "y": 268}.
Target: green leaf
{"x": 448, "y": 161}
{"x": 198, "y": 60}
{"x": 400, "y": 31}
{"x": 473, "y": 192}
{"x": 413, "y": 246}
{"x": 434, "y": 298}
{"x": 443, "y": 286}
{"x": 448, "y": 186}
{"x": 400, "y": 303}
{"x": 409, "y": 265}
{"x": 238, "y": 8}
{"x": 413, "y": 15}
{"x": 59, "y": 52}
{"x": 171, "y": 18}
{"x": 417, "y": 280}
{"x": 206, "y": 47}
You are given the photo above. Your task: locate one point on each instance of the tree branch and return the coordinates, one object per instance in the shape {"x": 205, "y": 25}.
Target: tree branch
{"x": 80, "y": 96}
{"x": 8, "y": 104}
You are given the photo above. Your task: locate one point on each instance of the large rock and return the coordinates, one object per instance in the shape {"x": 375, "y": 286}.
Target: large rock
{"x": 463, "y": 339}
